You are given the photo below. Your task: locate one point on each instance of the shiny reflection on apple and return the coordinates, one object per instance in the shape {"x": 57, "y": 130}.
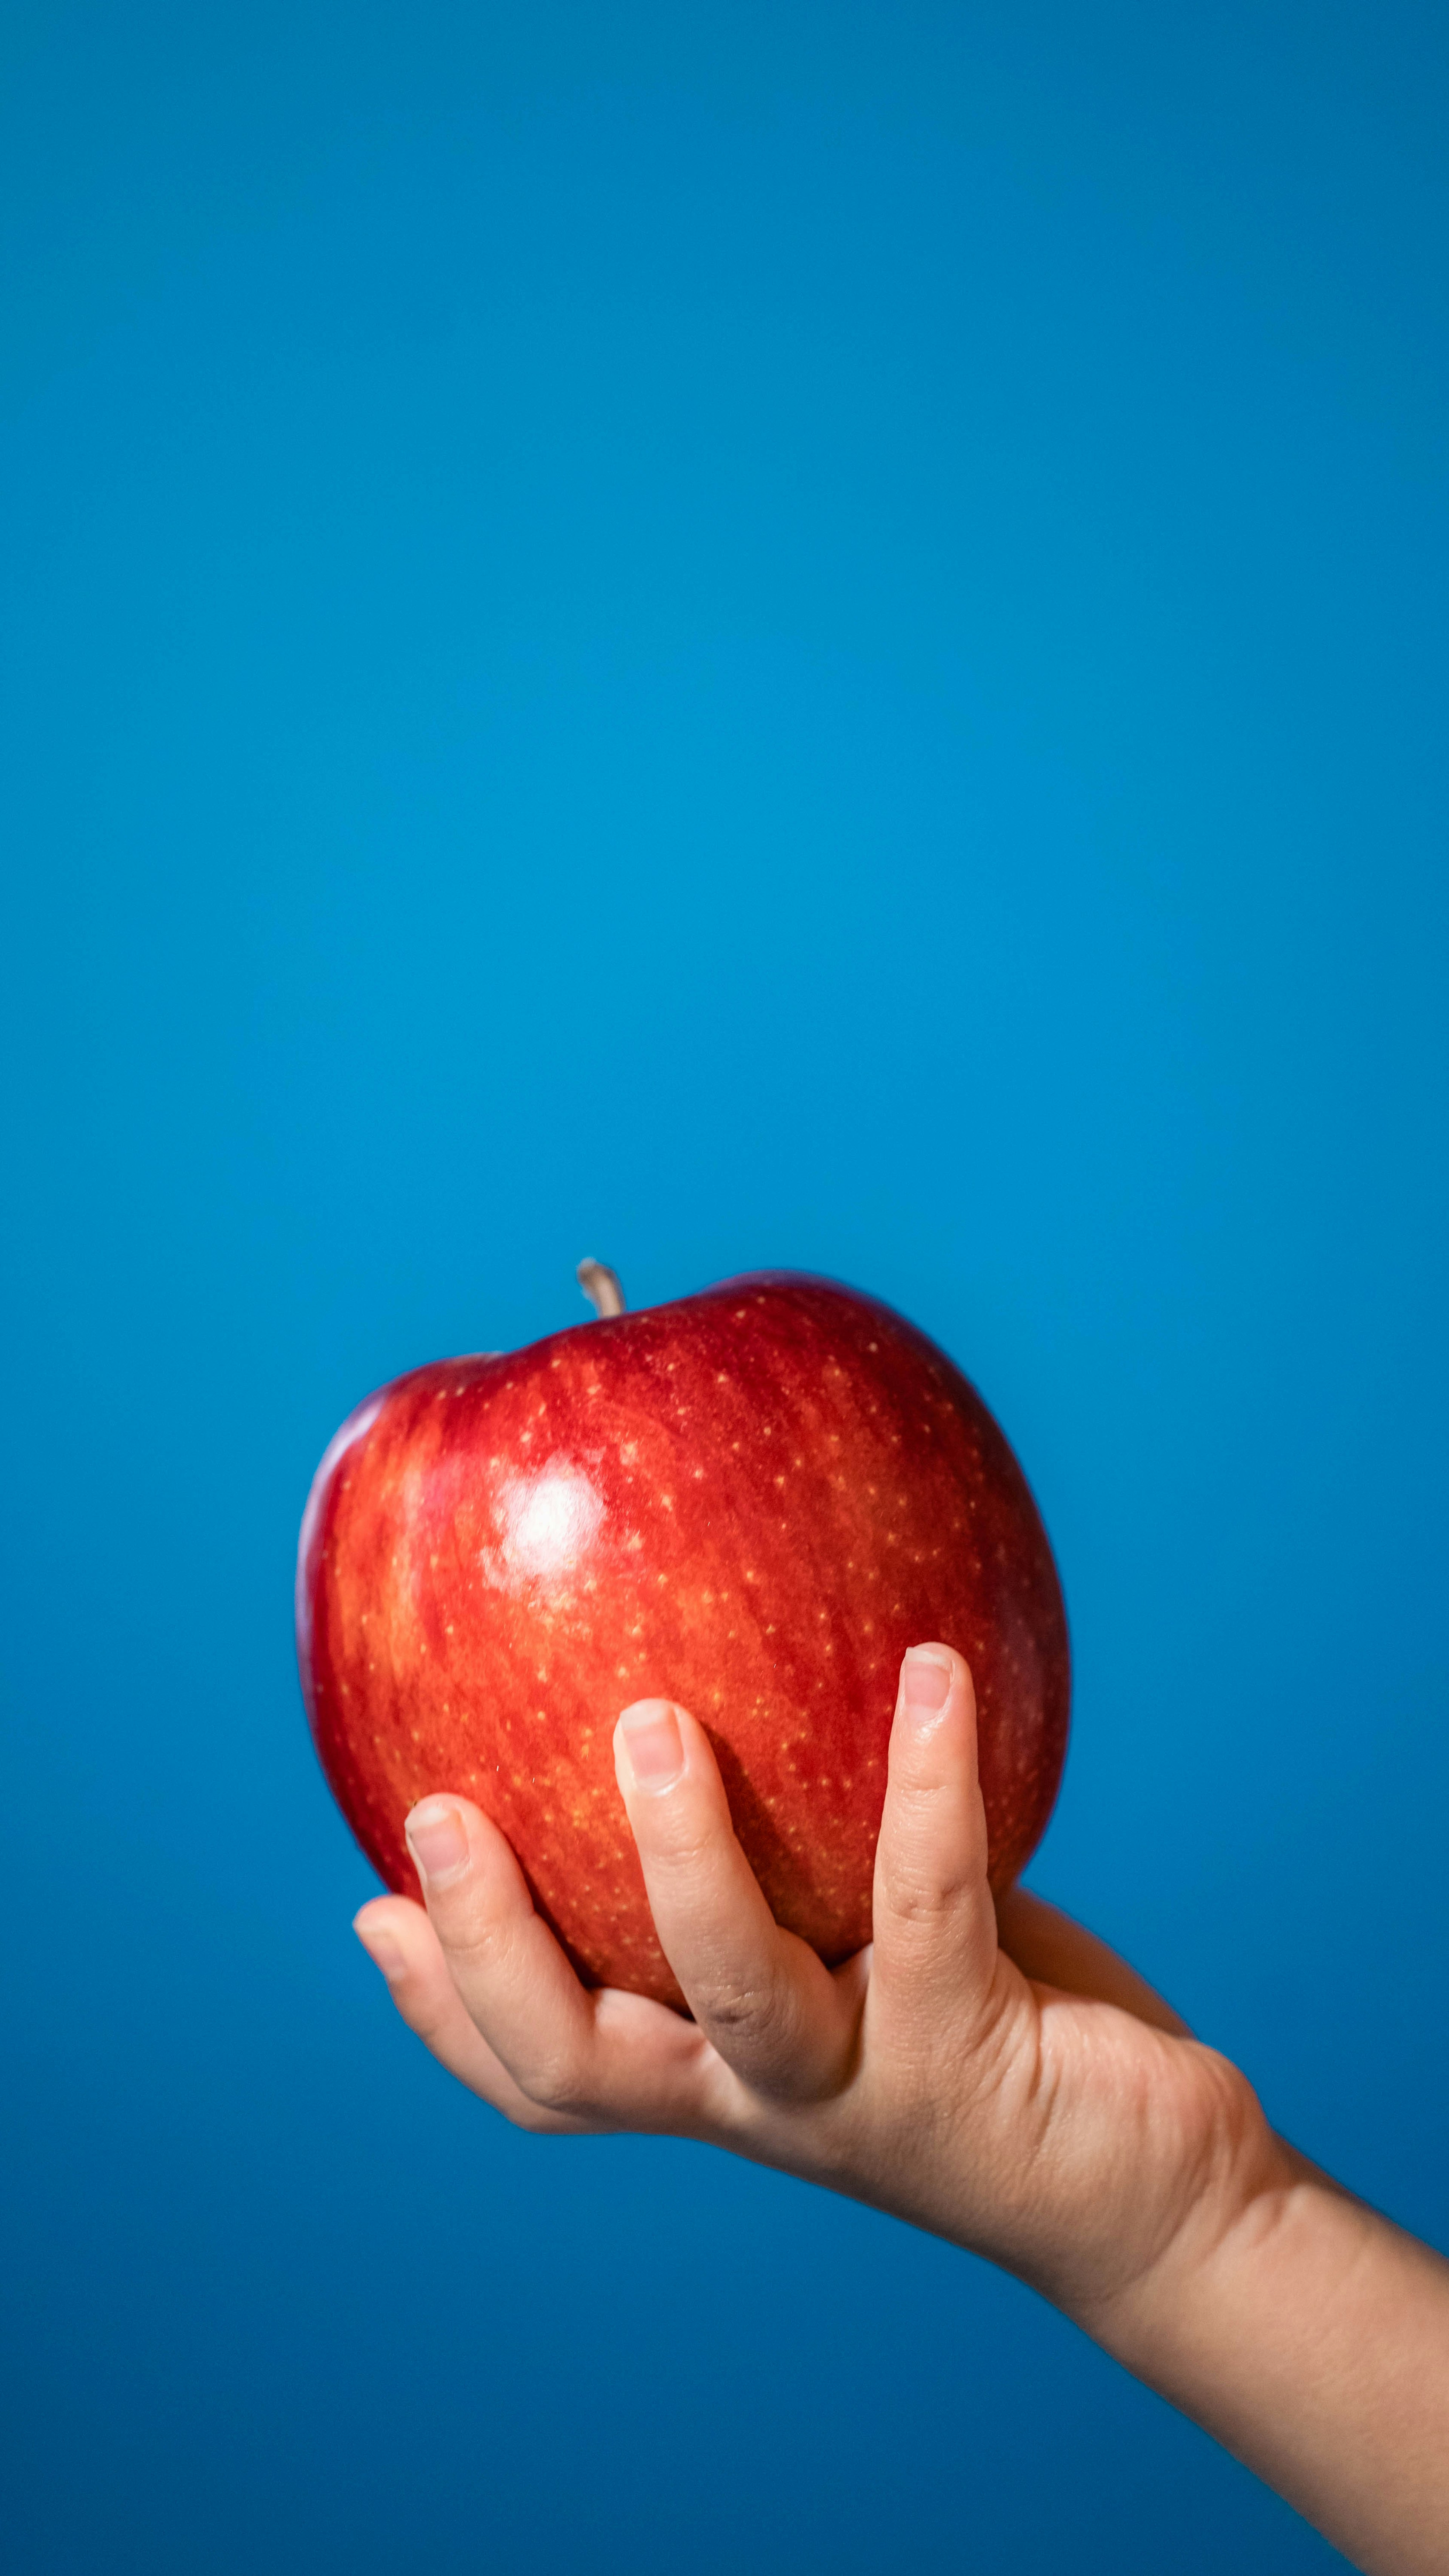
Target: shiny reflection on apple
{"x": 549, "y": 1523}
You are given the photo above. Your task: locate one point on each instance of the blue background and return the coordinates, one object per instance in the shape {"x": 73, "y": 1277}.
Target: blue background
{"x": 722, "y": 635}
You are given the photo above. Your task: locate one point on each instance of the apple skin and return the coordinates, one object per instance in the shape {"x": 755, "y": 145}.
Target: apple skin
{"x": 751, "y": 1502}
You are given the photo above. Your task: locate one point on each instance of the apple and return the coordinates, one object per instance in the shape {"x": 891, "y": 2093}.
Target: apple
{"x": 751, "y": 1502}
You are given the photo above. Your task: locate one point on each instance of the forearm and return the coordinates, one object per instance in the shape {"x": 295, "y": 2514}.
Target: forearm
{"x": 1313, "y": 2341}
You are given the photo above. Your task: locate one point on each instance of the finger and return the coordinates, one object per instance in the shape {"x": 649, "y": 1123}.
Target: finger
{"x": 766, "y": 2001}
{"x": 399, "y": 1939}
{"x": 601, "y": 2057}
{"x": 934, "y": 1922}
{"x": 1054, "y": 1951}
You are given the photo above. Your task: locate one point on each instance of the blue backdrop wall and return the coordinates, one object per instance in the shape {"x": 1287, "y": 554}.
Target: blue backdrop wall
{"x": 723, "y": 635}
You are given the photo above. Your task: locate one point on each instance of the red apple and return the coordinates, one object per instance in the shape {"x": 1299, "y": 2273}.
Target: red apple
{"x": 750, "y": 1502}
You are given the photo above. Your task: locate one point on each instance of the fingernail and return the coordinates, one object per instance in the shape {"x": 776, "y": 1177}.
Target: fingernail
{"x": 653, "y": 1743}
{"x": 438, "y": 1842}
{"x": 925, "y": 1682}
{"x": 385, "y": 1953}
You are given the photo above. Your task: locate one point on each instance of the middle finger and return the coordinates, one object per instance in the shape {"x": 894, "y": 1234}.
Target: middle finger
{"x": 777, "y": 2017}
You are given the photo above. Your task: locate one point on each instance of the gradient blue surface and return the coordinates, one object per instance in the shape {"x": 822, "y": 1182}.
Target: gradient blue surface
{"x": 724, "y": 636}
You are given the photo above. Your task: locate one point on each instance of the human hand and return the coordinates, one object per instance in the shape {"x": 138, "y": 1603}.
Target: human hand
{"x": 989, "y": 2072}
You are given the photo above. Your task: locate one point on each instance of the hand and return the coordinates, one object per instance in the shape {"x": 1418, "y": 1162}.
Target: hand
{"x": 994, "y": 2075}
{"x": 988, "y": 2071}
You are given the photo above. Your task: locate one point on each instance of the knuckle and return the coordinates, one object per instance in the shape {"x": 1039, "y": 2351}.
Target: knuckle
{"x": 926, "y": 1798}
{"x": 736, "y": 2010}
{"x": 737, "y": 2013}
{"x": 531, "y": 2117}
{"x": 478, "y": 1944}
{"x": 681, "y": 1838}
{"x": 556, "y": 2090}
{"x": 924, "y": 1897}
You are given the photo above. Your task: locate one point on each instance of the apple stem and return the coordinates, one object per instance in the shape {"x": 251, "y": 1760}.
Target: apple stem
{"x": 601, "y": 1288}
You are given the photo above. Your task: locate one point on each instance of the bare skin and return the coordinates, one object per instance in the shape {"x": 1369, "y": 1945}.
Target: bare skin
{"x": 991, "y": 2073}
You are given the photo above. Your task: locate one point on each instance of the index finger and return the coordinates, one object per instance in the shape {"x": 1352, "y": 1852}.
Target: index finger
{"x": 585, "y": 2055}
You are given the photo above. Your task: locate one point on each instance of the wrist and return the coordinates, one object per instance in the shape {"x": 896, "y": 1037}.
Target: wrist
{"x": 1204, "y": 2175}
{"x": 1209, "y": 2265}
